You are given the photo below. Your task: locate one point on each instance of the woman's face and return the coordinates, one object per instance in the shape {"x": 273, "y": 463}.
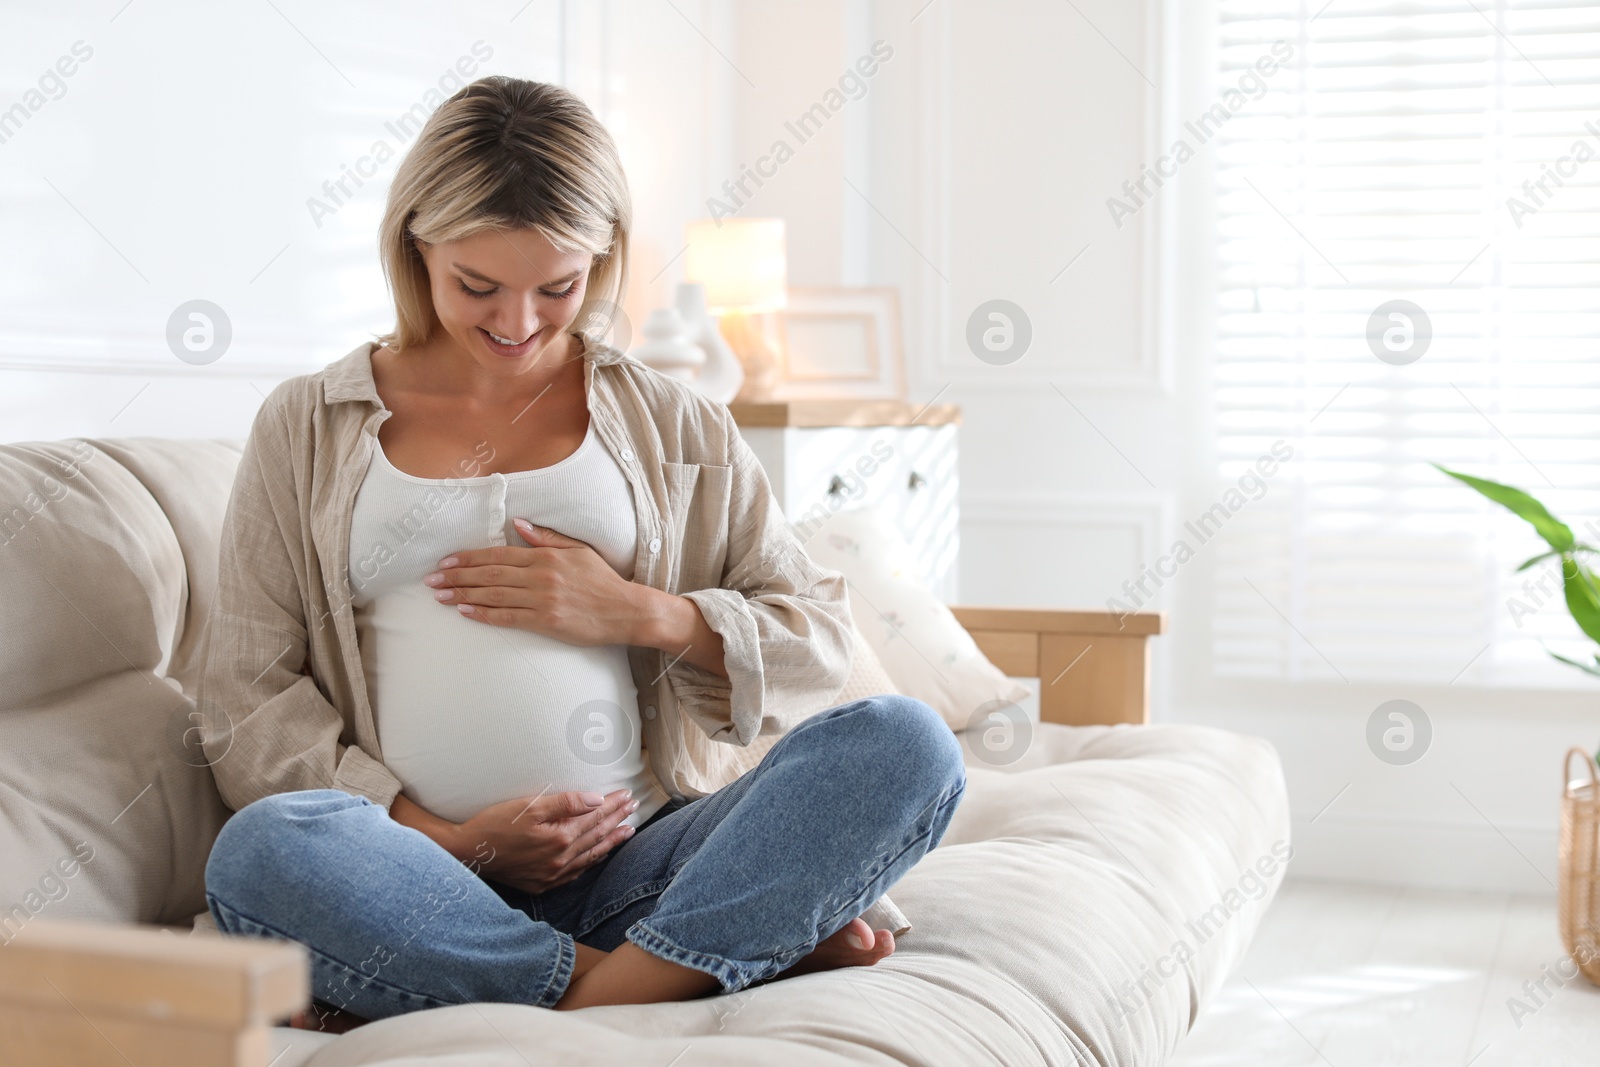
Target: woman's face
{"x": 512, "y": 285}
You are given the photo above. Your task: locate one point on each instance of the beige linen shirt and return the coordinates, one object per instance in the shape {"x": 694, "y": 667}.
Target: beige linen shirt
{"x": 282, "y": 693}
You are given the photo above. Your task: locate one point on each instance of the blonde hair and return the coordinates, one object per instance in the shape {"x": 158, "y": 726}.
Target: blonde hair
{"x": 506, "y": 153}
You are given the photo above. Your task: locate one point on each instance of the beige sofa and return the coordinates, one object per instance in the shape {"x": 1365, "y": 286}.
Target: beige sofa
{"x": 1087, "y": 901}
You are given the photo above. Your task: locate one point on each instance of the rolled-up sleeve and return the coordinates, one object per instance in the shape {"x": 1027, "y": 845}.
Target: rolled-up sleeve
{"x": 266, "y": 726}
{"x": 784, "y": 621}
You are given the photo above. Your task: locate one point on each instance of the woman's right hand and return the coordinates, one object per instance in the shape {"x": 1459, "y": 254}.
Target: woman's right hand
{"x": 538, "y": 843}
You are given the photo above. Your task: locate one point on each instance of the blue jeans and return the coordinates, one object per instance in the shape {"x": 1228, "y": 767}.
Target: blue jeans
{"x": 739, "y": 884}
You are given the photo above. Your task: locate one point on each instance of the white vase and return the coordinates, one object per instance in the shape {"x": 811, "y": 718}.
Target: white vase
{"x": 722, "y": 375}
{"x": 668, "y": 348}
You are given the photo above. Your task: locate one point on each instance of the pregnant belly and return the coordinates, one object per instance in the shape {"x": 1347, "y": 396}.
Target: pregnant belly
{"x": 470, "y": 714}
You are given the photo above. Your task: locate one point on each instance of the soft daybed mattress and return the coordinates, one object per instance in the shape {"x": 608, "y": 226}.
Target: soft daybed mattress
{"x": 1086, "y": 902}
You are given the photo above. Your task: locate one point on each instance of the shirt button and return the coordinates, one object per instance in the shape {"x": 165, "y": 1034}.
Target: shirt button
{"x": 655, "y": 544}
{"x": 627, "y": 454}
{"x": 650, "y": 711}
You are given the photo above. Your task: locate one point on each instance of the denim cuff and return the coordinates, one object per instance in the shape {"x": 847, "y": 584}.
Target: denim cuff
{"x": 561, "y": 974}
{"x": 719, "y": 968}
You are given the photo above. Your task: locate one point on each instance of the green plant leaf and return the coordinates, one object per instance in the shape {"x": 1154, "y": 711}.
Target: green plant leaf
{"x": 1555, "y": 532}
{"x": 1541, "y": 557}
{"x": 1577, "y": 663}
{"x": 1583, "y": 596}
{"x": 1577, "y": 546}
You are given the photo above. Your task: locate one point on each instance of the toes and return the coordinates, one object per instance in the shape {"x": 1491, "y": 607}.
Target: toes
{"x": 882, "y": 947}
{"x": 859, "y": 935}
{"x": 878, "y": 944}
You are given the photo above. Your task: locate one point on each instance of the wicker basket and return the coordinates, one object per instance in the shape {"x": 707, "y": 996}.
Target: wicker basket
{"x": 1580, "y": 865}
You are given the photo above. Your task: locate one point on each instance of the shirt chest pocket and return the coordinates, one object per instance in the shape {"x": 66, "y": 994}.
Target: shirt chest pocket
{"x": 697, "y": 509}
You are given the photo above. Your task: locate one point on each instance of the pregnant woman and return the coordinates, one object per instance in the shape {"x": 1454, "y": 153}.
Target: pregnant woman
{"x": 517, "y": 680}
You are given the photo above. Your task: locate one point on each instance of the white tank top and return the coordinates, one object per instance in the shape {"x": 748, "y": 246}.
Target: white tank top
{"x": 468, "y": 713}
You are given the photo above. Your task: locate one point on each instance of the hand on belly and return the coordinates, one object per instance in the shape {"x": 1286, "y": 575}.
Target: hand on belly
{"x": 558, "y": 586}
{"x": 539, "y": 843}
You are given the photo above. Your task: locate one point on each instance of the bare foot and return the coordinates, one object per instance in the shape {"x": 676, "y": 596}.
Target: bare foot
{"x": 630, "y": 975}
{"x": 327, "y": 1021}
{"x": 842, "y": 950}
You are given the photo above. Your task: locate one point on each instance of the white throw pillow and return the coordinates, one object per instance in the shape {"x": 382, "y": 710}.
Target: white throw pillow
{"x": 926, "y": 652}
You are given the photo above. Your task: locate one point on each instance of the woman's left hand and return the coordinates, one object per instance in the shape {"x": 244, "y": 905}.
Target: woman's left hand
{"x": 559, "y": 587}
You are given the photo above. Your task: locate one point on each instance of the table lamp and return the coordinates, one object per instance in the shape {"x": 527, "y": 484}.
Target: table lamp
{"x": 742, "y": 264}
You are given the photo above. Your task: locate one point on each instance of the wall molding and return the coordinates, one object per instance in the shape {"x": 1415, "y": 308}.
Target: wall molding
{"x": 1150, "y": 513}
{"x": 1155, "y": 374}
{"x": 156, "y": 368}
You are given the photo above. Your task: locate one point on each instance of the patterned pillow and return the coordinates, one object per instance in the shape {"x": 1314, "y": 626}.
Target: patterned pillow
{"x": 867, "y": 676}
{"x": 917, "y": 641}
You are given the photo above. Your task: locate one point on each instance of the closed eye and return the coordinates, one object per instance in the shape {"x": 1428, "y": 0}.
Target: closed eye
{"x": 482, "y": 293}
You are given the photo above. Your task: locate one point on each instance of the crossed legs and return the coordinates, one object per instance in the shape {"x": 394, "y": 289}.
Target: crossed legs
{"x": 730, "y": 889}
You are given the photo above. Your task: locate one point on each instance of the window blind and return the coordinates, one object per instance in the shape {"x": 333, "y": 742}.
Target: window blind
{"x": 1445, "y": 154}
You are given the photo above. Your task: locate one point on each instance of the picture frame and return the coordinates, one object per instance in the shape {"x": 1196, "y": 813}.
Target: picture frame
{"x": 841, "y": 342}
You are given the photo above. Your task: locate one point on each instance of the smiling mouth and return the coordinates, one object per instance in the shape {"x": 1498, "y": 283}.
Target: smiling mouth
{"x": 507, "y": 347}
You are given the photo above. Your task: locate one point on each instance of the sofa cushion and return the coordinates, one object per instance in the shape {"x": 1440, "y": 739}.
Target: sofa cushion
{"x": 191, "y": 481}
{"x": 104, "y": 813}
{"x": 90, "y": 556}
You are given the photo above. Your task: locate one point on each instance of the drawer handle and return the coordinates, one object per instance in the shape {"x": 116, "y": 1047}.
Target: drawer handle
{"x": 837, "y": 485}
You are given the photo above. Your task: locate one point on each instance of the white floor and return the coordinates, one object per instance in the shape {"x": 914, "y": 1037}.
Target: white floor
{"x": 1363, "y": 976}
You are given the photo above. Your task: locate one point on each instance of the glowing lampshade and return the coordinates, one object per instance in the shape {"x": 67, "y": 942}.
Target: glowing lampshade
{"x": 741, "y": 262}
